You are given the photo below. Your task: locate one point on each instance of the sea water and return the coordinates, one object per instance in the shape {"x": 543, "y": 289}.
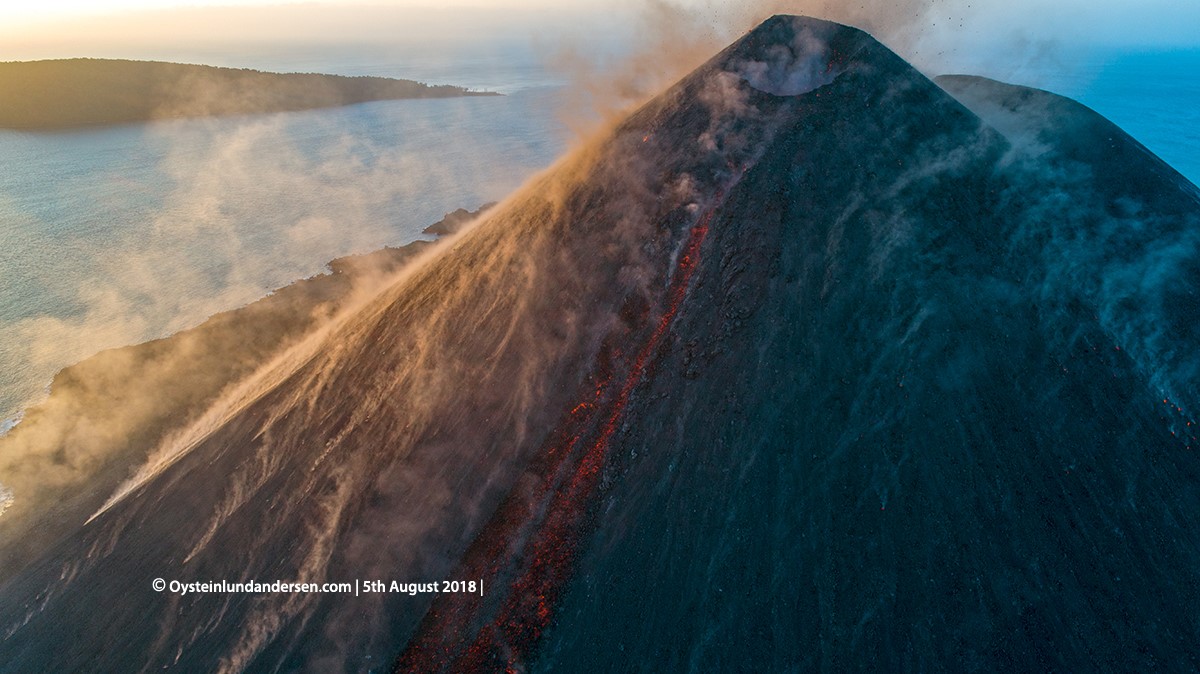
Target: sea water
{"x": 1154, "y": 95}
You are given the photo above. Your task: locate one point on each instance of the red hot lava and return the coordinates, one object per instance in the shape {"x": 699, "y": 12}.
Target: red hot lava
{"x": 526, "y": 553}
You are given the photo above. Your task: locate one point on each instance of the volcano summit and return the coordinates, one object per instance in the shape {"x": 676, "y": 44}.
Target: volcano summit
{"x": 810, "y": 363}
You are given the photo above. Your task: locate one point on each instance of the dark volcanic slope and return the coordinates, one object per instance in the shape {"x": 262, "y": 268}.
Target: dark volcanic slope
{"x": 800, "y": 367}
{"x": 74, "y": 92}
{"x": 1115, "y": 228}
{"x": 948, "y": 448}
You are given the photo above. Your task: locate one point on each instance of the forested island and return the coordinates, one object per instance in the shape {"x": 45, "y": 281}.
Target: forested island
{"x": 66, "y": 93}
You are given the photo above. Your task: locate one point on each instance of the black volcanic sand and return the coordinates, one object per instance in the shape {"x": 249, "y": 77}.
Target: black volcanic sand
{"x": 116, "y": 406}
{"x": 75, "y": 92}
{"x": 806, "y": 366}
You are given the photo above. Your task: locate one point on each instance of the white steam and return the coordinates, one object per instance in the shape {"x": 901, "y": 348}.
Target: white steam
{"x": 793, "y": 69}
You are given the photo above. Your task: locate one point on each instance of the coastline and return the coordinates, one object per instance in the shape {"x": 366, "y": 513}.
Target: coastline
{"x": 63, "y": 94}
{"x": 104, "y": 415}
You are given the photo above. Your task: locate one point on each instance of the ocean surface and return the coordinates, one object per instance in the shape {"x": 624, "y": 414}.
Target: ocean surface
{"x": 116, "y": 235}
{"x": 1152, "y": 95}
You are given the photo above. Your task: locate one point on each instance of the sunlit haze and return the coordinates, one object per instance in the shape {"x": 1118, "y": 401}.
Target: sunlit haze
{"x": 77, "y": 27}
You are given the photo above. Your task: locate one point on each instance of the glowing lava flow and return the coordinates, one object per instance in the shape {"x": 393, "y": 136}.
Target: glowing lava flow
{"x": 526, "y": 552}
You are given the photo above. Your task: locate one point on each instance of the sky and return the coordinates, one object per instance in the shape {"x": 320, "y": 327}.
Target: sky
{"x": 66, "y": 9}
{"x": 28, "y": 25}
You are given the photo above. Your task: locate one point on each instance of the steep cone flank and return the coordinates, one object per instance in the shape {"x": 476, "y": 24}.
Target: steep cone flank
{"x": 387, "y": 449}
{"x": 778, "y": 375}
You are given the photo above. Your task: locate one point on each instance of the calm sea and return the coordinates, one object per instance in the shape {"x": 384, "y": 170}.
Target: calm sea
{"x": 1153, "y": 95}
{"x": 116, "y": 235}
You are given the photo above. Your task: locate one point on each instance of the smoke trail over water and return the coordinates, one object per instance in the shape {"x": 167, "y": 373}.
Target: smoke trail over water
{"x": 253, "y": 204}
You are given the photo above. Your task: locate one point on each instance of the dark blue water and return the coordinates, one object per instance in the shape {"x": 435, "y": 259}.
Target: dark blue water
{"x": 1153, "y": 95}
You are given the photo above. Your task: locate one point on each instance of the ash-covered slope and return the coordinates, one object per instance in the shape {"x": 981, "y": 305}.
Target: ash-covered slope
{"x": 780, "y": 374}
{"x": 1114, "y": 226}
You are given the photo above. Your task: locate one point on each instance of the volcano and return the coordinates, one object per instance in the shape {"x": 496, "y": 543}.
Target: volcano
{"x": 810, "y": 363}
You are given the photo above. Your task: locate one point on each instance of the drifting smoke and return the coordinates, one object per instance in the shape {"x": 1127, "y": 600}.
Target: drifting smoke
{"x": 252, "y": 208}
{"x": 250, "y": 212}
{"x": 670, "y": 39}
{"x": 1134, "y": 261}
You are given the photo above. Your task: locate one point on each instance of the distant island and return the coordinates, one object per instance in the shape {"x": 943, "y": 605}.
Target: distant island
{"x": 65, "y": 93}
